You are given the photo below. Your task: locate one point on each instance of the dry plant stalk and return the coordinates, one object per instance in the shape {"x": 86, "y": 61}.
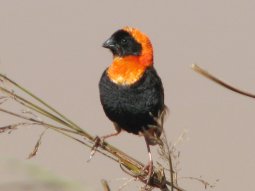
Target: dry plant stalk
{"x": 38, "y": 143}
{"x": 105, "y": 185}
{"x": 71, "y": 130}
{"x": 202, "y": 181}
{"x": 220, "y": 82}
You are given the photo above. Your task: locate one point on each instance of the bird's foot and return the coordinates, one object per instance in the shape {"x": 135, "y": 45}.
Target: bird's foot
{"x": 148, "y": 169}
{"x": 97, "y": 143}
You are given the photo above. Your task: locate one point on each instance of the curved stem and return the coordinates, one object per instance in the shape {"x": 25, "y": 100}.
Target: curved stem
{"x": 220, "y": 82}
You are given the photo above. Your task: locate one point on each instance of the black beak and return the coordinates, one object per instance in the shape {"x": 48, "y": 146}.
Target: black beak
{"x": 113, "y": 46}
{"x": 109, "y": 44}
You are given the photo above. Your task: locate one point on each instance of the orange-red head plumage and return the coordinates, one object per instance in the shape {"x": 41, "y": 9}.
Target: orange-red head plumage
{"x": 133, "y": 54}
{"x": 146, "y": 57}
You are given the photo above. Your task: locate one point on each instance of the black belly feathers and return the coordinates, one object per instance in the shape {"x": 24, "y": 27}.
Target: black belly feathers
{"x": 133, "y": 107}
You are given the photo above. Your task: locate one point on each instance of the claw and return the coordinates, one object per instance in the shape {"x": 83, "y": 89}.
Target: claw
{"x": 97, "y": 141}
{"x": 149, "y": 166}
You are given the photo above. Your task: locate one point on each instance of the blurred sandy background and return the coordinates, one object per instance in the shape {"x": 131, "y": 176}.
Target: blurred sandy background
{"x": 53, "y": 47}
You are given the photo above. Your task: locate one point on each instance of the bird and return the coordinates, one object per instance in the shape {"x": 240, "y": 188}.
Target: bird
{"x": 131, "y": 91}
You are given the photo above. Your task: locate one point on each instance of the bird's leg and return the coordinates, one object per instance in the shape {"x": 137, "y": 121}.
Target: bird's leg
{"x": 149, "y": 166}
{"x": 110, "y": 135}
{"x": 100, "y": 140}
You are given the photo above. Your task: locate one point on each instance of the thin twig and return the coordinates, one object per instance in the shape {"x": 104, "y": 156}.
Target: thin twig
{"x": 105, "y": 185}
{"x": 126, "y": 183}
{"x": 34, "y": 107}
{"x": 40, "y": 101}
{"x": 14, "y": 126}
{"x": 220, "y": 82}
{"x": 37, "y": 122}
{"x": 3, "y": 99}
{"x": 202, "y": 181}
{"x": 169, "y": 161}
{"x": 36, "y": 147}
{"x": 61, "y": 130}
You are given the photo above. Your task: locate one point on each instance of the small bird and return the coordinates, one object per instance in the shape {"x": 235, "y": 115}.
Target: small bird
{"x": 131, "y": 92}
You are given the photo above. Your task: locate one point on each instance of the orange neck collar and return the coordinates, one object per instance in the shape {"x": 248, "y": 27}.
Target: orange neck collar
{"x": 127, "y": 70}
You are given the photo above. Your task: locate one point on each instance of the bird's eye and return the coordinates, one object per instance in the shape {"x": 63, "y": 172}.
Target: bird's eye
{"x": 123, "y": 41}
